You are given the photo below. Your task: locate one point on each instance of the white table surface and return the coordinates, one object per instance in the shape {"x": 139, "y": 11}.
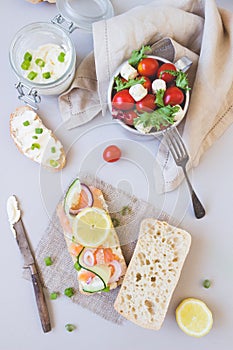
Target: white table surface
{"x": 211, "y": 253}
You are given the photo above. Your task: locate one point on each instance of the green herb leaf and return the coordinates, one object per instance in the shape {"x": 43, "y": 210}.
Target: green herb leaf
{"x": 32, "y": 75}
{"x": 70, "y": 327}
{"x": 53, "y": 163}
{"x": 40, "y": 62}
{"x": 27, "y": 56}
{"x": 46, "y": 75}
{"x": 121, "y": 85}
{"x": 35, "y": 145}
{"x": 53, "y": 296}
{"x": 138, "y": 55}
{"x": 161, "y": 117}
{"x": 48, "y": 261}
{"x": 61, "y": 57}
{"x": 159, "y": 98}
{"x": 115, "y": 222}
{"x": 125, "y": 210}
{"x": 25, "y": 65}
{"x": 38, "y": 130}
{"x": 69, "y": 292}
{"x": 53, "y": 149}
{"x": 181, "y": 78}
{"x": 206, "y": 284}
{"x": 26, "y": 123}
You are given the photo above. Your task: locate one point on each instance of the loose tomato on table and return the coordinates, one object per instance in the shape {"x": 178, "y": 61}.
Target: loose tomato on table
{"x": 111, "y": 154}
{"x": 148, "y": 67}
{"x": 164, "y": 75}
{"x": 147, "y": 104}
{"x": 123, "y": 100}
{"x": 173, "y": 96}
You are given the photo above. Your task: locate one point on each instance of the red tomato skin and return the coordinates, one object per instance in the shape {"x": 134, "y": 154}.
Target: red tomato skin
{"x": 166, "y": 76}
{"x": 148, "y": 67}
{"x": 147, "y": 104}
{"x": 147, "y": 85}
{"x": 112, "y": 154}
{"x": 123, "y": 100}
{"x": 173, "y": 96}
{"x": 129, "y": 117}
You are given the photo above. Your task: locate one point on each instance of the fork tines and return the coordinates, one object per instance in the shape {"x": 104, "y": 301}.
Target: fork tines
{"x": 176, "y": 144}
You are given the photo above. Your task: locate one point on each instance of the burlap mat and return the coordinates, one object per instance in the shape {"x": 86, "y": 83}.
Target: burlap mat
{"x": 61, "y": 274}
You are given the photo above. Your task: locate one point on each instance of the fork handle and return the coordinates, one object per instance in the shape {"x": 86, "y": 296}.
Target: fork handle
{"x": 197, "y": 206}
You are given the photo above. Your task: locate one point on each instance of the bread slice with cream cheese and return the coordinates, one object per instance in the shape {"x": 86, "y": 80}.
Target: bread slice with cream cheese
{"x": 153, "y": 273}
{"x": 36, "y": 141}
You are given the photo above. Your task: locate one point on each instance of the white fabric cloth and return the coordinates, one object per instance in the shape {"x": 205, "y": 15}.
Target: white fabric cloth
{"x": 197, "y": 29}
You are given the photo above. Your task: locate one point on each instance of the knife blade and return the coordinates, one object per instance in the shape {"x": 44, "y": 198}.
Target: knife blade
{"x": 17, "y": 227}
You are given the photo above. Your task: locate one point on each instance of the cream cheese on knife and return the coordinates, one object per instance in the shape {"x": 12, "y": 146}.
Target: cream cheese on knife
{"x": 13, "y": 212}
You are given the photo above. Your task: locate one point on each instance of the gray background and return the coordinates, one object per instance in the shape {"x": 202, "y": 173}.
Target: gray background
{"x": 211, "y": 254}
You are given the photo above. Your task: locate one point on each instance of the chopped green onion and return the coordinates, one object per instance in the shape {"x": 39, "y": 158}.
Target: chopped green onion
{"x": 115, "y": 222}
{"x": 53, "y": 149}
{"x": 107, "y": 289}
{"x": 48, "y": 261}
{"x": 53, "y": 163}
{"x": 25, "y": 65}
{"x": 46, "y": 75}
{"x": 27, "y": 56}
{"x": 70, "y": 327}
{"x": 38, "y": 130}
{"x": 206, "y": 284}
{"x": 77, "y": 266}
{"x": 35, "y": 145}
{"x": 69, "y": 292}
{"x": 35, "y": 137}
{"x": 26, "y": 123}
{"x": 32, "y": 75}
{"x": 40, "y": 62}
{"x": 125, "y": 210}
{"x": 61, "y": 57}
{"x": 53, "y": 296}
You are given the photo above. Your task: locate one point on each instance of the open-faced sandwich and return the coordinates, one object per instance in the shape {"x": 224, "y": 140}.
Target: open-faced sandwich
{"x": 91, "y": 239}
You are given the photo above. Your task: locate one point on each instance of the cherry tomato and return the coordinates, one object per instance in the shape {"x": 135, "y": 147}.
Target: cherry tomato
{"x": 166, "y": 76}
{"x": 147, "y": 104}
{"x": 147, "y": 84}
{"x": 148, "y": 67}
{"x": 123, "y": 100}
{"x": 129, "y": 117}
{"x": 111, "y": 154}
{"x": 173, "y": 96}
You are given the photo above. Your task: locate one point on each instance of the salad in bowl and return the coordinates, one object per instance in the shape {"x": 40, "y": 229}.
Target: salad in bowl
{"x": 148, "y": 94}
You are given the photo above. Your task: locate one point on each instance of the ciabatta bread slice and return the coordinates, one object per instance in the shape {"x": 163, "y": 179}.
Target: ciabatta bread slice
{"x": 153, "y": 273}
{"x": 36, "y": 141}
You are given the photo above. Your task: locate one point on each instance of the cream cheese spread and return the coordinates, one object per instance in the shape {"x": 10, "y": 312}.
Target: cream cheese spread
{"x": 35, "y": 140}
{"x": 13, "y": 212}
{"x": 45, "y": 64}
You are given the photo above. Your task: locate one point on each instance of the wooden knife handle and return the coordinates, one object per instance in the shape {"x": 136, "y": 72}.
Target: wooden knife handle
{"x": 41, "y": 302}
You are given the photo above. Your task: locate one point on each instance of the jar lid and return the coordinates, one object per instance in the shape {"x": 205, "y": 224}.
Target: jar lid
{"x": 85, "y": 12}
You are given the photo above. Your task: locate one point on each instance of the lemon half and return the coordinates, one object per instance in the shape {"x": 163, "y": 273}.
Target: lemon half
{"x": 194, "y": 317}
{"x": 91, "y": 227}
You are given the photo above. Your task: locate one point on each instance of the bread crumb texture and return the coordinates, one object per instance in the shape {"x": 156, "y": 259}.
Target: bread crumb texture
{"x": 153, "y": 273}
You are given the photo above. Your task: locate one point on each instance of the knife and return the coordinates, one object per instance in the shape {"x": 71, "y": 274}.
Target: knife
{"x": 17, "y": 227}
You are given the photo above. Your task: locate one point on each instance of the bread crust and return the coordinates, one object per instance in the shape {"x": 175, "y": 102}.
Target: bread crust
{"x": 20, "y": 110}
{"x": 128, "y": 297}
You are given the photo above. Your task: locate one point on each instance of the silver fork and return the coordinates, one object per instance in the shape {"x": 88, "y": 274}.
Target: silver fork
{"x": 181, "y": 157}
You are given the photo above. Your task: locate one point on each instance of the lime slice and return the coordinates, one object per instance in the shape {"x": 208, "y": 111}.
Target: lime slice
{"x": 91, "y": 227}
{"x": 194, "y": 317}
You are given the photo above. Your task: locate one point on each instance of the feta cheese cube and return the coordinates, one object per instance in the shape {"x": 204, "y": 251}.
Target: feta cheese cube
{"x": 138, "y": 92}
{"x": 158, "y": 84}
{"x": 128, "y": 72}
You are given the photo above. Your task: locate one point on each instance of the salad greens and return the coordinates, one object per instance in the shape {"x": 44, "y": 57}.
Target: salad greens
{"x": 138, "y": 55}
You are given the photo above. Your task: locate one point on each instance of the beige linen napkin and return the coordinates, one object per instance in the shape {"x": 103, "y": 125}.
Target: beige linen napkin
{"x": 196, "y": 28}
{"x": 61, "y": 274}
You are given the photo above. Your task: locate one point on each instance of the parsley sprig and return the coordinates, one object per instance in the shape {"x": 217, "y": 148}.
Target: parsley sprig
{"x": 163, "y": 116}
{"x": 138, "y": 55}
{"x": 181, "y": 78}
{"x": 121, "y": 85}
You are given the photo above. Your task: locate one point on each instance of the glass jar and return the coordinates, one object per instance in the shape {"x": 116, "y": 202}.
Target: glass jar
{"x": 74, "y": 14}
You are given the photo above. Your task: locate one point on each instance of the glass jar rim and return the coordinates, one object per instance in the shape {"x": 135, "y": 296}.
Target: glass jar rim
{"x": 36, "y": 25}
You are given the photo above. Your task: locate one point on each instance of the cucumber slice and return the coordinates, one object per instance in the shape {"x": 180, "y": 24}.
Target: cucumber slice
{"x": 103, "y": 272}
{"x": 72, "y": 195}
{"x": 96, "y": 285}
